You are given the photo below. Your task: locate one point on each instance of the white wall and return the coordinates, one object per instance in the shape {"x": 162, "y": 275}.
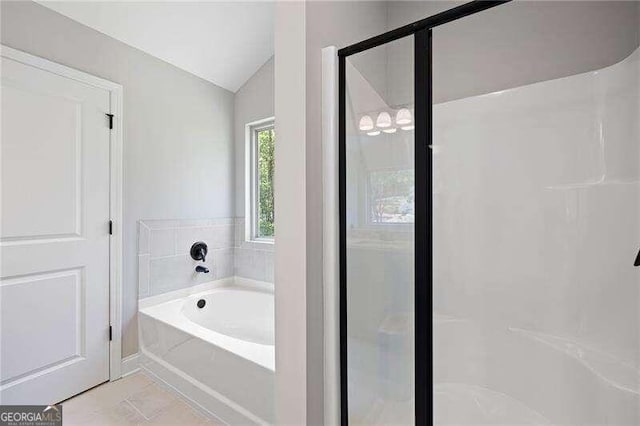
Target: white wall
{"x": 290, "y": 220}
{"x": 302, "y": 30}
{"x": 327, "y": 24}
{"x": 253, "y": 101}
{"x": 178, "y": 129}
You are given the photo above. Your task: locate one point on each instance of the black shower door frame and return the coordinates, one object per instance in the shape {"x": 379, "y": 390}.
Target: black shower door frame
{"x": 423, "y": 135}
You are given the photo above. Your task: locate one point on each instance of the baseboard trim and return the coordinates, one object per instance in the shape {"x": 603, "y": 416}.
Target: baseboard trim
{"x": 130, "y": 364}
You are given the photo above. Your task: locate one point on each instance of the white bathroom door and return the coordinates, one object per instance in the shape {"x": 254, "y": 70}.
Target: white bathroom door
{"x": 54, "y": 235}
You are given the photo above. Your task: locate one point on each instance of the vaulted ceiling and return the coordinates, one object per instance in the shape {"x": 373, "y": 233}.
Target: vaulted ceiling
{"x": 222, "y": 42}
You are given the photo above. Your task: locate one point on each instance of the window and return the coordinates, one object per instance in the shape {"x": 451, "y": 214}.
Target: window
{"x": 261, "y": 139}
{"x": 391, "y": 196}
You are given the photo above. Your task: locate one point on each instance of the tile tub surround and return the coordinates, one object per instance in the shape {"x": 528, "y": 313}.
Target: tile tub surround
{"x": 253, "y": 260}
{"x": 164, "y": 263}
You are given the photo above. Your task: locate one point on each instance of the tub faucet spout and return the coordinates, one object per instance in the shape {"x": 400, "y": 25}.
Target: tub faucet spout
{"x": 203, "y": 269}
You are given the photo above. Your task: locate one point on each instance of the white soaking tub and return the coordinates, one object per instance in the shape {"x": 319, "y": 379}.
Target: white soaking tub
{"x": 214, "y": 343}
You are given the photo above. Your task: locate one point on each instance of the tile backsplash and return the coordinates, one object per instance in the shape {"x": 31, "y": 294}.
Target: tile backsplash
{"x": 252, "y": 260}
{"x": 164, "y": 263}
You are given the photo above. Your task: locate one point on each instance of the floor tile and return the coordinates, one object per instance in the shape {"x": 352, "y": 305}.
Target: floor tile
{"x": 133, "y": 400}
{"x": 151, "y": 400}
{"x": 122, "y": 413}
{"x": 179, "y": 413}
{"x": 107, "y": 395}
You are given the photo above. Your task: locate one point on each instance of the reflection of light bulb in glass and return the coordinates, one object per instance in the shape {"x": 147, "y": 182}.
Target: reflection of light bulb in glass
{"x": 390, "y": 130}
{"x": 403, "y": 117}
{"x": 384, "y": 120}
{"x": 411, "y": 127}
{"x": 374, "y": 133}
{"x": 366, "y": 123}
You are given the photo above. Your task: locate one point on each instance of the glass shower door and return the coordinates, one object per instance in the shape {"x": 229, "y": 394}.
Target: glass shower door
{"x": 380, "y": 215}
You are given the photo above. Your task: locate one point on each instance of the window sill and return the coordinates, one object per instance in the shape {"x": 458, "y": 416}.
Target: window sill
{"x": 262, "y": 241}
{"x": 259, "y": 244}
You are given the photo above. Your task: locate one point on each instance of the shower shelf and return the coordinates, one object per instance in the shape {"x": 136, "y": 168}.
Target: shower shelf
{"x": 581, "y": 185}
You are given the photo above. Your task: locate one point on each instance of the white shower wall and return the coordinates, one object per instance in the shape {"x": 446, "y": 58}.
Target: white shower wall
{"x": 536, "y": 227}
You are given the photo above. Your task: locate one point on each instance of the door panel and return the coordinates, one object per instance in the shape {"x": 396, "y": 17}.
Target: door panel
{"x": 54, "y": 239}
{"x": 58, "y": 178}
{"x": 61, "y": 333}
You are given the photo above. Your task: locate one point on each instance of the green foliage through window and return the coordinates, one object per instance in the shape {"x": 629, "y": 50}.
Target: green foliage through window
{"x": 391, "y": 196}
{"x": 266, "y": 143}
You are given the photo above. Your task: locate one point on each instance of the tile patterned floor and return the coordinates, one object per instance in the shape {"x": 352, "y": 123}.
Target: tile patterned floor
{"x": 133, "y": 400}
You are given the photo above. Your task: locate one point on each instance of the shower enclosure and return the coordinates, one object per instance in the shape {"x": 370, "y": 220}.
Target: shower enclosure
{"x": 489, "y": 192}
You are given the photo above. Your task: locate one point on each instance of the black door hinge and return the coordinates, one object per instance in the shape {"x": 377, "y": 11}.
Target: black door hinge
{"x": 110, "y": 120}
{"x": 637, "y": 262}
{"x": 110, "y": 227}
{"x": 110, "y": 333}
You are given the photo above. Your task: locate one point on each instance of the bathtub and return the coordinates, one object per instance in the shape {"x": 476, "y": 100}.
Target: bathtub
{"x": 214, "y": 344}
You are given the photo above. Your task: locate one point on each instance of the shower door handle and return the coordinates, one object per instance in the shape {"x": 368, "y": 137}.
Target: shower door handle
{"x": 637, "y": 262}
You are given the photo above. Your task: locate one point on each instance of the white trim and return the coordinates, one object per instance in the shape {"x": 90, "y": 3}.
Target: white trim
{"x": 251, "y": 181}
{"x": 115, "y": 292}
{"x": 130, "y": 364}
{"x": 58, "y": 69}
{"x": 330, "y": 248}
{"x": 115, "y": 209}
